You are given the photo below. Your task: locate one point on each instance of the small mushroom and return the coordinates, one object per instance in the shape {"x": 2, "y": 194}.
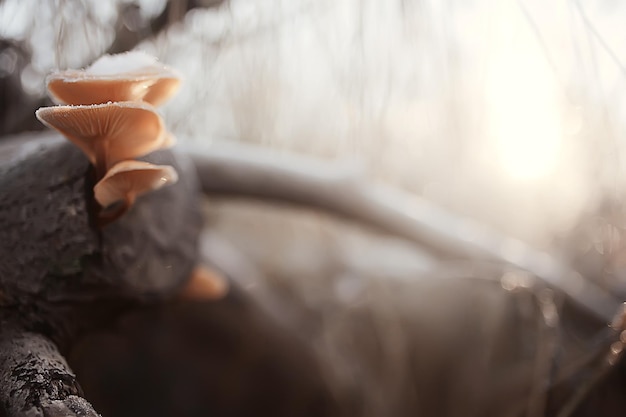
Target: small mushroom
{"x": 125, "y": 181}
{"x": 108, "y": 133}
{"x": 131, "y": 76}
{"x": 204, "y": 284}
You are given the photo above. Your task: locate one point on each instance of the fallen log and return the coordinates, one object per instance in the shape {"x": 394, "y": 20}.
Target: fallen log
{"x": 60, "y": 274}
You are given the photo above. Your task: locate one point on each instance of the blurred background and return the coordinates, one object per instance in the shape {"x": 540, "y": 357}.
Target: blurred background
{"x": 508, "y": 112}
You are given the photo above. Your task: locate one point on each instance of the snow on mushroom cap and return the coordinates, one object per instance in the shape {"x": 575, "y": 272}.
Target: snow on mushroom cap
{"x": 123, "y": 130}
{"x": 128, "y": 62}
{"x": 131, "y": 76}
{"x": 129, "y": 179}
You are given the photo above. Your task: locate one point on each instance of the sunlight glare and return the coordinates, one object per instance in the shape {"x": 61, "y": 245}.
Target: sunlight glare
{"x": 523, "y": 113}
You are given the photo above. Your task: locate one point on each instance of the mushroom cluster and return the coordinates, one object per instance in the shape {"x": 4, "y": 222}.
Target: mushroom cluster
{"x": 108, "y": 111}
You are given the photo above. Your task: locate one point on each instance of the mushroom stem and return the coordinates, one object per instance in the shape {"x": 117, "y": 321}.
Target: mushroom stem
{"x": 108, "y": 216}
{"x": 101, "y": 150}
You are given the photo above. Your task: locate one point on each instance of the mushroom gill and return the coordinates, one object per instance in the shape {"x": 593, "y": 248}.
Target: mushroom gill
{"x": 111, "y": 118}
{"x": 127, "y": 180}
{"x": 131, "y": 76}
{"x": 108, "y": 133}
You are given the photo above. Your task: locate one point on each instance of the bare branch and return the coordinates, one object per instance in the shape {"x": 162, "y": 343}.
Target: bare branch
{"x": 252, "y": 172}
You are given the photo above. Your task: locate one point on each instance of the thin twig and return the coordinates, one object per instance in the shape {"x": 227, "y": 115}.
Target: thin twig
{"x": 544, "y": 47}
{"x": 599, "y": 37}
{"x": 583, "y": 390}
{"x": 547, "y": 348}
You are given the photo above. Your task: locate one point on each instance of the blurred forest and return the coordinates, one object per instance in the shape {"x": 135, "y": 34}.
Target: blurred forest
{"x": 509, "y": 113}
{"x": 520, "y": 98}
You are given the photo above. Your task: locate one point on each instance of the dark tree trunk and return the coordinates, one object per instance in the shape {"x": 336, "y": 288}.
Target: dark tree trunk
{"x": 45, "y": 223}
{"x": 60, "y": 274}
{"x": 52, "y": 250}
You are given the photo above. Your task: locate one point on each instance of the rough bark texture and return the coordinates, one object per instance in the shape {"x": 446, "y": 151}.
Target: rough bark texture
{"x": 35, "y": 378}
{"x": 152, "y": 249}
{"x": 51, "y": 249}
{"x": 44, "y": 222}
{"x": 60, "y": 275}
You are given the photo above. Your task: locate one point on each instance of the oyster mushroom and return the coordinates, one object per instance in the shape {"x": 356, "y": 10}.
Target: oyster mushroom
{"x": 127, "y": 180}
{"x": 131, "y": 76}
{"x": 108, "y": 133}
{"x": 204, "y": 284}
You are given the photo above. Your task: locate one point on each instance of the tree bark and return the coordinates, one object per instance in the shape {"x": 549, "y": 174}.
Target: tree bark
{"x": 52, "y": 250}
{"x": 35, "y": 379}
{"x": 61, "y": 275}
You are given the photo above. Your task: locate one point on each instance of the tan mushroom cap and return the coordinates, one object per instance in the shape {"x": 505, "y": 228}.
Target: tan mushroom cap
{"x": 122, "y": 131}
{"x": 205, "y": 284}
{"x": 128, "y": 179}
{"x": 131, "y": 76}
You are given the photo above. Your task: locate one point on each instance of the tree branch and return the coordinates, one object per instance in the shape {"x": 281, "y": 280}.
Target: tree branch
{"x": 253, "y": 172}
{"x": 35, "y": 379}
{"x": 51, "y": 249}
{"x": 61, "y": 275}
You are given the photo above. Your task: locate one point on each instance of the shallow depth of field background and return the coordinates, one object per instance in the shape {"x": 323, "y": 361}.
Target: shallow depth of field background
{"x": 507, "y": 112}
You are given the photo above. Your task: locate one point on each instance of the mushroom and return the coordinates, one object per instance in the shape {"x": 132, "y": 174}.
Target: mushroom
{"x": 125, "y": 181}
{"x": 108, "y": 133}
{"x": 131, "y": 76}
{"x": 204, "y": 284}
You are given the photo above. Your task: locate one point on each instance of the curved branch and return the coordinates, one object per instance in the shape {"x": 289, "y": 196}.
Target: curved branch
{"x": 35, "y": 379}
{"x": 253, "y": 172}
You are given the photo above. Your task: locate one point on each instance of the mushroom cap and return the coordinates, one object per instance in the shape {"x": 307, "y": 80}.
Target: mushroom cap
{"x": 129, "y": 129}
{"x": 132, "y": 178}
{"x": 170, "y": 141}
{"x": 205, "y": 284}
{"x": 131, "y": 76}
